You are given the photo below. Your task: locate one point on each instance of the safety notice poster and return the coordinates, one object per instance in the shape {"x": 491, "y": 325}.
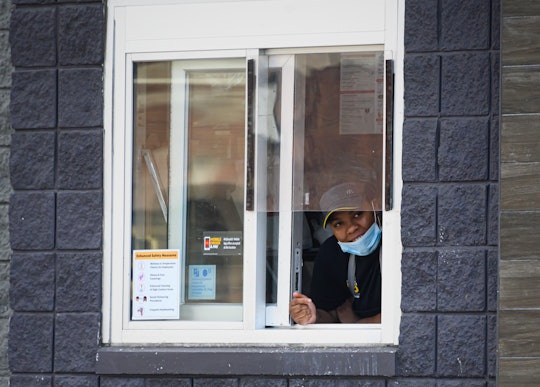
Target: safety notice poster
{"x": 156, "y": 278}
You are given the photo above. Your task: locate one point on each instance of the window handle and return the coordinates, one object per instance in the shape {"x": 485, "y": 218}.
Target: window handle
{"x": 388, "y": 189}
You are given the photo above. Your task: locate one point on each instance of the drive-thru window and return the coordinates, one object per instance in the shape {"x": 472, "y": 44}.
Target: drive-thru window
{"x": 226, "y": 123}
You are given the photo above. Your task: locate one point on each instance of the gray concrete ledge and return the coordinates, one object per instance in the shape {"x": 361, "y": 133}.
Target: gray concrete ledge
{"x": 263, "y": 361}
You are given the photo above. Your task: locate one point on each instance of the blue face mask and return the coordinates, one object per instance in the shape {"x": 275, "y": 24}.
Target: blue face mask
{"x": 364, "y": 245}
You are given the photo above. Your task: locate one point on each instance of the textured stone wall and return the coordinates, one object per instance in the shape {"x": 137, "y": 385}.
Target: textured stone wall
{"x": 5, "y": 186}
{"x": 449, "y": 224}
{"x": 56, "y": 209}
{"x": 450, "y": 193}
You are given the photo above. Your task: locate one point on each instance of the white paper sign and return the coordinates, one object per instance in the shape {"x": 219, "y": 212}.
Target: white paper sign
{"x": 156, "y": 278}
{"x": 361, "y": 93}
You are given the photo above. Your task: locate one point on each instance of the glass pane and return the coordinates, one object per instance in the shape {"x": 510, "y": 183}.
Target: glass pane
{"x": 273, "y": 148}
{"x": 188, "y": 187}
{"x": 339, "y": 130}
{"x": 151, "y": 155}
{"x": 215, "y": 177}
{"x": 338, "y": 137}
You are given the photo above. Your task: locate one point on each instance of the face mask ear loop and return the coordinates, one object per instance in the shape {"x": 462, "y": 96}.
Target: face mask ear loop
{"x": 375, "y": 216}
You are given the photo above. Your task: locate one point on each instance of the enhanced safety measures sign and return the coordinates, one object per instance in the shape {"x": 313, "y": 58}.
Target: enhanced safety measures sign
{"x": 156, "y": 278}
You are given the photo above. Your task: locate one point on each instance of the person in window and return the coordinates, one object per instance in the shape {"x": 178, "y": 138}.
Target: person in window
{"x": 346, "y": 283}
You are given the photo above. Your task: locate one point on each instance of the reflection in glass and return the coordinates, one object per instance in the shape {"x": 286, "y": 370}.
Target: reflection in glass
{"x": 338, "y": 137}
{"x": 215, "y": 174}
{"x": 188, "y": 185}
{"x": 338, "y": 124}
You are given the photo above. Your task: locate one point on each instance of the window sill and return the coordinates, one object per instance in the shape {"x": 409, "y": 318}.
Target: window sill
{"x": 257, "y": 360}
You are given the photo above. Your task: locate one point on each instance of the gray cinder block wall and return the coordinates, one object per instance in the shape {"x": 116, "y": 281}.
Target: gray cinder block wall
{"x": 56, "y": 209}
{"x": 450, "y": 192}
{"x": 5, "y": 186}
{"x": 449, "y": 223}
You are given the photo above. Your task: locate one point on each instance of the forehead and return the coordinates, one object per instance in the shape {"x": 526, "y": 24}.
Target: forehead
{"x": 340, "y": 215}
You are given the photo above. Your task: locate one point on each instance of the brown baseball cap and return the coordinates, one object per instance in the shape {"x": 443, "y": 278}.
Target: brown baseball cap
{"x": 347, "y": 197}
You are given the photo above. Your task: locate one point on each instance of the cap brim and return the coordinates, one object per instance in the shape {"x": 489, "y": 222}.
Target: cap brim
{"x": 337, "y": 209}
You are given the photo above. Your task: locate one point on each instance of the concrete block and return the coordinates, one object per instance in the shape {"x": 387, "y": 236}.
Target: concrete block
{"x": 76, "y": 380}
{"x": 493, "y": 215}
{"x": 76, "y": 339}
{"x": 327, "y": 382}
{"x": 4, "y": 162}
{"x": 496, "y": 24}
{"x": 169, "y": 382}
{"x": 33, "y": 37}
{"x": 81, "y": 34}
{"x": 257, "y": 382}
{"x": 78, "y": 284}
{"x": 79, "y": 219}
{"x": 418, "y": 215}
{"x": 4, "y": 226}
{"x": 420, "y": 140}
{"x": 421, "y": 26}
{"x": 5, "y": 191}
{"x": 422, "y": 85}
{"x": 495, "y": 83}
{"x": 465, "y": 24}
{"x": 416, "y": 352}
{"x": 492, "y": 344}
{"x": 464, "y": 149}
{"x": 461, "y": 282}
{"x": 31, "y": 342}
{"x": 32, "y": 222}
{"x": 5, "y": 126}
{"x": 33, "y": 1}
{"x": 108, "y": 381}
{"x": 32, "y": 161}
{"x": 492, "y": 280}
{"x": 33, "y": 99}
{"x": 31, "y": 380}
{"x": 4, "y": 290}
{"x": 5, "y": 57}
{"x": 80, "y": 102}
{"x": 412, "y": 382}
{"x": 80, "y": 159}
{"x": 4, "y": 334}
{"x": 32, "y": 282}
{"x": 219, "y": 382}
{"x": 465, "y": 84}
{"x": 5, "y": 13}
{"x": 462, "y": 215}
{"x": 419, "y": 281}
{"x": 494, "y": 159}
{"x": 461, "y": 345}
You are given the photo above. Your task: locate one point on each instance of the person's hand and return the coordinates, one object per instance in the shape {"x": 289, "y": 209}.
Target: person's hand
{"x": 302, "y": 309}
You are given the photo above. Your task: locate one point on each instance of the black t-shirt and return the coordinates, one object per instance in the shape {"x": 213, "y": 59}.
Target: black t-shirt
{"x": 329, "y": 283}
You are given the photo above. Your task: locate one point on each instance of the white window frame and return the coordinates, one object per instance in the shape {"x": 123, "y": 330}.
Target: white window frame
{"x": 302, "y": 23}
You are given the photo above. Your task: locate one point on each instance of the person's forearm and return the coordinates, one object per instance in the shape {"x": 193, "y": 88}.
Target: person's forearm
{"x": 326, "y": 317}
{"x": 371, "y": 320}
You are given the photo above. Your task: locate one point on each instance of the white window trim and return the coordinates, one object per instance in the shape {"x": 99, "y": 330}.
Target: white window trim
{"x": 124, "y": 17}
